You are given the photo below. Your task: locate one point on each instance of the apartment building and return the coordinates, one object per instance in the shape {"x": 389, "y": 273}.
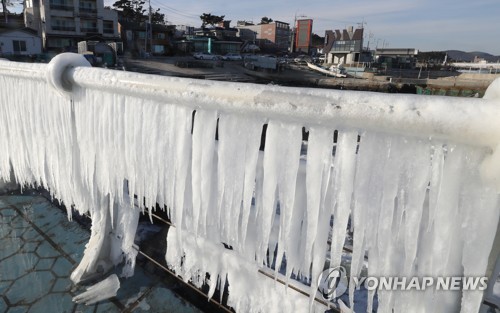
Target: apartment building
{"x": 303, "y": 35}
{"x": 63, "y": 23}
{"x": 275, "y": 35}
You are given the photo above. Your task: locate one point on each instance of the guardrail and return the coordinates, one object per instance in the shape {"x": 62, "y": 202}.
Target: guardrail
{"x": 421, "y": 164}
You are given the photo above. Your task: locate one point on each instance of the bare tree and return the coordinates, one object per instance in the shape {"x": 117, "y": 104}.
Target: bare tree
{"x": 5, "y": 3}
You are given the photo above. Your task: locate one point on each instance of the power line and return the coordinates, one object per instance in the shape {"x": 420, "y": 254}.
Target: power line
{"x": 175, "y": 11}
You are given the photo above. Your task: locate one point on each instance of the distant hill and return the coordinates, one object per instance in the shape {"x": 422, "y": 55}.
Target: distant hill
{"x": 458, "y": 55}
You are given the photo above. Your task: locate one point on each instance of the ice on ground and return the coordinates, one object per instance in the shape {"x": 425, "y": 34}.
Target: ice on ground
{"x": 104, "y": 289}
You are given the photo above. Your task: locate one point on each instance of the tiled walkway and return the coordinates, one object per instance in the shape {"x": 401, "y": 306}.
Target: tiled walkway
{"x": 39, "y": 248}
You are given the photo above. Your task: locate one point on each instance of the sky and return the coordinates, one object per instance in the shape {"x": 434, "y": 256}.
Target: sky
{"x": 426, "y": 25}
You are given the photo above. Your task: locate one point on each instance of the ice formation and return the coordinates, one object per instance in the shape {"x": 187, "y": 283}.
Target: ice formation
{"x": 104, "y": 289}
{"x": 416, "y": 206}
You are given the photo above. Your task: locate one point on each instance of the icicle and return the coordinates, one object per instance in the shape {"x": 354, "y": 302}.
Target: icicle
{"x": 202, "y": 163}
{"x": 319, "y": 156}
{"x": 281, "y": 162}
{"x": 344, "y": 169}
{"x": 181, "y": 161}
{"x": 479, "y": 219}
{"x": 371, "y": 160}
{"x": 102, "y": 290}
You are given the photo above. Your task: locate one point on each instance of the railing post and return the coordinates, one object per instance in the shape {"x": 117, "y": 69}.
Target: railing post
{"x": 59, "y": 65}
{"x": 492, "y": 272}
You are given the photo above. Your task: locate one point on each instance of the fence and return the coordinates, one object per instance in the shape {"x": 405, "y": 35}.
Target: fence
{"x": 413, "y": 178}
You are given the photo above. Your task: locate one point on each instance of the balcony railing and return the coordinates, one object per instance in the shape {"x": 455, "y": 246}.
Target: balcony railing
{"x": 62, "y": 7}
{"x": 88, "y": 10}
{"x": 88, "y": 29}
{"x": 108, "y": 30}
{"x": 63, "y": 28}
{"x": 414, "y": 177}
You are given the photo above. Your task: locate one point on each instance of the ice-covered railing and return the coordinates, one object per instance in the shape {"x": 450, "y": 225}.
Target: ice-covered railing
{"x": 416, "y": 176}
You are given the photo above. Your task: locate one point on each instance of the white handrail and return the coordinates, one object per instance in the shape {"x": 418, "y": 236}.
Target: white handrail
{"x": 465, "y": 120}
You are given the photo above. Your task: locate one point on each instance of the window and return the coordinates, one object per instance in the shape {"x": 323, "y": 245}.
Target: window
{"x": 19, "y": 46}
{"x": 87, "y": 7}
{"x": 160, "y": 36}
{"x": 158, "y": 49}
{"x": 88, "y": 26}
{"x": 61, "y": 5}
{"x": 59, "y": 43}
{"x": 62, "y": 24}
{"x": 108, "y": 27}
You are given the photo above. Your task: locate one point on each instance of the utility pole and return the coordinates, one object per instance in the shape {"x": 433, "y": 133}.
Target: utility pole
{"x": 292, "y": 39}
{"x": 5, "y": 11}
{"x": 149, "y": 32}
{"x": 150, "y": 35}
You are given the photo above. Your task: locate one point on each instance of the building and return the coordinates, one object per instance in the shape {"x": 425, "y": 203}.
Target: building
{"x": 183, "y": 30}
{"x": 344, "y": 47}
{"x": 271, "y": 36}
{"x": 303, "y": 33}
{"x": 134, "y": 38}
{"x": 221, "y": 39}
{"x": 396, "y": 57}
{"x": 19, "y": 42}
{"x": 278, "y": 33}
{"x": 63, "y": 23}
{"x": 218, "y": 32}
{"x": 16, "y": 41}
{"x": 248, "y": 31}
{"x": 14, "y": 21}
{"x": 208, "y": 44}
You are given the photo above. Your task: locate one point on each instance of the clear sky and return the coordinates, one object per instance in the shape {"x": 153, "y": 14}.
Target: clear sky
{"x": 422, "y": 24}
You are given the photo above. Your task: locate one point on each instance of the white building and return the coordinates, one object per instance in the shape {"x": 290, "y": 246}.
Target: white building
{"x": 344, "y": 47}
{"x": 63, "y": 23}
{"x": 19, "y": 42}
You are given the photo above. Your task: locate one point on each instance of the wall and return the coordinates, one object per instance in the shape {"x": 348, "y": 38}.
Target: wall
{"x": 33, "y": 43}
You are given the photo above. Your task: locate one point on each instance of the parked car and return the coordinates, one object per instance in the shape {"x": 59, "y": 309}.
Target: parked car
{"x": 232, "y": 57}
{"x": 204, "y": 56}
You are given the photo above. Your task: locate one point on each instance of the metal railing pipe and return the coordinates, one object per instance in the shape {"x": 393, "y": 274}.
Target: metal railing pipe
{"x": 463, "y": 120}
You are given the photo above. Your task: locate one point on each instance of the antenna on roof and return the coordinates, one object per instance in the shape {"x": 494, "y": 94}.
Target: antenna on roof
{"x": 362, "y": 24}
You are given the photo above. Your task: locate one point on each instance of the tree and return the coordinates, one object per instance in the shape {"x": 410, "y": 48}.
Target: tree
{"x": 158, "y": 18}
{"x": 209, "y": 19}
{"x": 317, "y": 40}
{"x": 266, "y": 20}
{"x": 5, "y": 3}
{"x": 132, "y": 10}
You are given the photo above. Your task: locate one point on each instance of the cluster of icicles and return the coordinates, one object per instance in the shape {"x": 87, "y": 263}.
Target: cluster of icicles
{"x": 416, "y": 207}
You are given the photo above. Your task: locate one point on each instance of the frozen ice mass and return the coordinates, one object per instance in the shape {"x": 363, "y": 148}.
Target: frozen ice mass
{"x": 417, "y": 205}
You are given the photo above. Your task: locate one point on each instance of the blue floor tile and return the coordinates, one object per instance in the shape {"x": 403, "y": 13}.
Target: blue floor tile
{"x": 62, "y": 267}
{"x": 29, "y": 288}
{"x": 60, "y": 303}
{"x": 34, "y": 271}
{"x": 17, "y": 265}
{"x": 62, "y": 285}
{"x": 45, "y": 264}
